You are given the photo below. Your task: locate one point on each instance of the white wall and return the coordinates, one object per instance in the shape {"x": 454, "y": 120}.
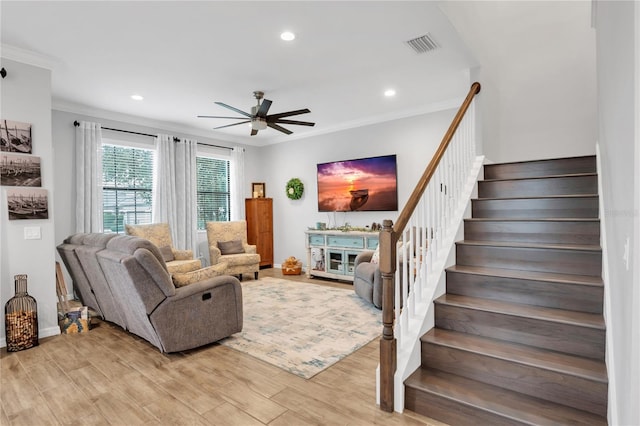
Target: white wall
{"x": 538, "y": 79}
{"x": 413, "y": 140}
{"x": 63, "y": 142}
{"x": 617, "y": 25}
{"x": 26, "y": 97}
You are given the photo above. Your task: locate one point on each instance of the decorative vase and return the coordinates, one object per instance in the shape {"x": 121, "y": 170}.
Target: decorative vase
{"x": 21, "y": 318}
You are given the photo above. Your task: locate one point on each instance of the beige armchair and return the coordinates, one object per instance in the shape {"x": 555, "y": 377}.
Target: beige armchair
{"x": 177, "y": 261}
{"x": 228, "y": 243}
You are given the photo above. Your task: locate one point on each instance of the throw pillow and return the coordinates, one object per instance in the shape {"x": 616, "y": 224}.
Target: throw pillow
{"x": 167, "y": 253}
{"x": 231, "y": 247}
{"x": 183, "y": 279}
{"x": 375, "y": 258}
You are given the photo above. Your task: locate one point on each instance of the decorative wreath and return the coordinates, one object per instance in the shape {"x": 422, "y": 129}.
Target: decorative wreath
{"x": 295, "y": 188}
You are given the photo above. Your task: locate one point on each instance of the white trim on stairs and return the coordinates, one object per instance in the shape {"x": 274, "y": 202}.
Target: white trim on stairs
{"x": 409, "y": 357}
{"x": 612, "y": 417}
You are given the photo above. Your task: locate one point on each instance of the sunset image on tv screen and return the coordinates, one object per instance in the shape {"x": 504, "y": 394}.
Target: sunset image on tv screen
{"x": 358, "y": 185}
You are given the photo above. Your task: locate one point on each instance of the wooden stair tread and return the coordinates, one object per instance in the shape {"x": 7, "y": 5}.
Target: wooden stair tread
{"x": 582, "y": 319}
{"x": 515, "y": 244}
{"x": 533, "y": 219}
{"x": 544, "y": 160}
{"x": 585, "y": 368}
{"x": 508, "y": 404}
{"x": 537, "y": 197}
{"x": 540, "y": 177}
{"x": 529, "y": 275}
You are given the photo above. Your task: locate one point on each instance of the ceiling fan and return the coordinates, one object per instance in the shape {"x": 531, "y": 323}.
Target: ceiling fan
{"x": 259, "y": 118}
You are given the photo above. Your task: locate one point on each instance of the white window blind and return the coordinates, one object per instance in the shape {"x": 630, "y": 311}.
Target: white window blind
{"x": 127, "y": 183}
{"x": 213, "y": 190}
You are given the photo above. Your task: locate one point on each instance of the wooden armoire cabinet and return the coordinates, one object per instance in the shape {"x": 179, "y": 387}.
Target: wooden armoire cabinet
{"x": 259, "y": 214}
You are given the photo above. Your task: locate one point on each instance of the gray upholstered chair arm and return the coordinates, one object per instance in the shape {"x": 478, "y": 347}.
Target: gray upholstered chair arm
{"x": 363, "y": 256}
{"x": 202, "y": 287}
{"x": 367, "y": 271}
{"x": 377, "y": 288}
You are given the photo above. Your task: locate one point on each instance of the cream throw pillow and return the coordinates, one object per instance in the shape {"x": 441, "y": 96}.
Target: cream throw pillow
{"x": 375, "y": 258}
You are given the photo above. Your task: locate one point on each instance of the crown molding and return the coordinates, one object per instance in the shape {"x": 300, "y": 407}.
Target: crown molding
{"x": 167, "y": 126}
{"x": 28, "y": 57}
{"x": 177, "y": 128}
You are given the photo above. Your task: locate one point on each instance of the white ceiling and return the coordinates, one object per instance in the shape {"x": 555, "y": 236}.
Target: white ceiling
{"x": 182, "y": 56}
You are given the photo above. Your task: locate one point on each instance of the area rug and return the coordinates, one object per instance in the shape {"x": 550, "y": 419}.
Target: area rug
{"x": 303, "y": 328}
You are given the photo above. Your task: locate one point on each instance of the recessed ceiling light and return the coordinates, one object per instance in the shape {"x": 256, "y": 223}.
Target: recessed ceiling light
{"x": 137, "y": 97}
{"x": 287, "y": 36}
{"x": 389, "y": 93}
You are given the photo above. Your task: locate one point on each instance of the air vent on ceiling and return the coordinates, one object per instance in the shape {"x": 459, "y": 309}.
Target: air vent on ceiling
{"x": 423, "y": 44}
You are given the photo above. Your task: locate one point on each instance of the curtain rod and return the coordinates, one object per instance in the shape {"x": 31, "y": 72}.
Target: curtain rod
{"x": 76, "y": 123}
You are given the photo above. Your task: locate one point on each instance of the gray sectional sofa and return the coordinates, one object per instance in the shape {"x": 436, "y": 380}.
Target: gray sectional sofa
{"x": 125, "y": 280}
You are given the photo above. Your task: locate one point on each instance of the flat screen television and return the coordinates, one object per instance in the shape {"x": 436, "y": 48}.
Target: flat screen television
{"x": 363, "y": 184}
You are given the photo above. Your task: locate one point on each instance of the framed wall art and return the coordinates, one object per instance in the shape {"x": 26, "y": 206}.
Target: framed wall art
{"x": 15, "y": 137}
{"x": 258, "y": 190}
{"x": 27, "y": 203}
{"x": 20, "y": 170}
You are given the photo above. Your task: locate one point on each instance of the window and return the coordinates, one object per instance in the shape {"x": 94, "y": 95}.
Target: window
{"x": 213, "y": 193}
{"x": 127, "y": 184}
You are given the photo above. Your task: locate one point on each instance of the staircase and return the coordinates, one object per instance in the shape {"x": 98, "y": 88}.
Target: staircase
{"x": 519, "y": 336}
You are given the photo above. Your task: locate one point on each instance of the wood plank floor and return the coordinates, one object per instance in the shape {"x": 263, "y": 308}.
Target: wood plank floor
{"x": 110, "y": 377}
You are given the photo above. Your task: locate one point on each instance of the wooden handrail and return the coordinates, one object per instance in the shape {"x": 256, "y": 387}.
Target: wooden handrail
{"x": 408, "y": 209}
{"x": 388, "y": 239}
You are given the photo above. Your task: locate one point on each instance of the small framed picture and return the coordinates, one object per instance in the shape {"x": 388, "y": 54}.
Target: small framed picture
{"x": 257, "y": 189}
{"x": 27, "y": 203}
{"x": 20, "y": 170}
{"x": 15, "y": 136}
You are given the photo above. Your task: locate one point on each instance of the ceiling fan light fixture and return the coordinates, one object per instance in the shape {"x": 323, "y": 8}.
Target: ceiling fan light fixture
{"x": 287, "y": 36}
{"x": 258, "y": 123}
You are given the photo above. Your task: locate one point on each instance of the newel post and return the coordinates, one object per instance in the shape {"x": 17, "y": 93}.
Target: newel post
{"x": 387, "y": 341}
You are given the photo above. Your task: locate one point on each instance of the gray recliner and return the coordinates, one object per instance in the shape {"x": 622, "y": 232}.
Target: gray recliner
{"x": 143, "y": 299}
{"x": 367, "y": 280}
{"x": 86, "y": 252}
{"x": 81, "y": 286}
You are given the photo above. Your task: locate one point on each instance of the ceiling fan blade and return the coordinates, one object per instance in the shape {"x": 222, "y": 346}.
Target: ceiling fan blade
{"x": 279, "y": 128}
{"x": 254, "y": 132}
{"x": 246, "y": 114}
{"x": 229, "y": 125}
{"x": 264, "y": 108}
{"x": 273, "y": 117}
{"x": 299, "y": 123}
{"x": 216, "y": 116}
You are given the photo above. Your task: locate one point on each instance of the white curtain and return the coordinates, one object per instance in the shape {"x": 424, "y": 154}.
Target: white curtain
{"x": 174, "y": 192}
{"x": 237, "y": 183}
{"x": 88, "y": 177}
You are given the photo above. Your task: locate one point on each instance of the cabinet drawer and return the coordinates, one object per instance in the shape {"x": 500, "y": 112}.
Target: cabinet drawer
{"x": 346, "y": 241}
{"x": 316, "y": 240}
{"x": 372, "y": 243}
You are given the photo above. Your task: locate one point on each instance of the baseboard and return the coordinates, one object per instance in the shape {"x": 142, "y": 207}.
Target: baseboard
{"x": 42, "y": 333}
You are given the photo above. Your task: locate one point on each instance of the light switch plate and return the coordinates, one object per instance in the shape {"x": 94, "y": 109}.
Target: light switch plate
{"x": 32, "y": 233}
